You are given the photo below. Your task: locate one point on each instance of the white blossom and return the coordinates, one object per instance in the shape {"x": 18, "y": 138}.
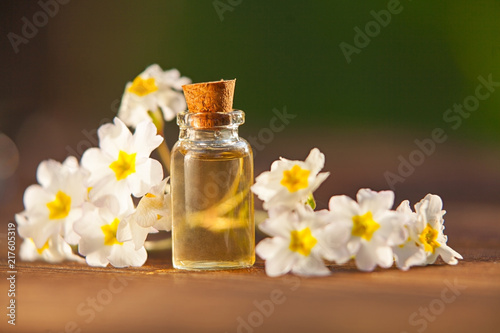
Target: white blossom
{"x": 298, "y": 244}
{"x": 98, "y": 229}
{"x": 55, "y": 250}
{"x": 151, "y": 90}
{"x": 121, "y": 165}
{"x": 53, "y": 205}
{"x": 290, "y": 182}
{"x": 374, "y": 227}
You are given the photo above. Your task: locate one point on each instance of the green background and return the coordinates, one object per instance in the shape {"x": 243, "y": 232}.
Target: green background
{"x": 364, "y": 115}
{"x": 283, "y": 53}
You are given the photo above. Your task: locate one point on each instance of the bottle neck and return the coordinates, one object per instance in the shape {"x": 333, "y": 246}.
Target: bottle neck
{"x": 217, "y": 127}
{"x": 222, "y": 134}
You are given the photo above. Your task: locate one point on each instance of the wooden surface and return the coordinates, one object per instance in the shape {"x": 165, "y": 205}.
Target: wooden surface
{"x": 155, "y": 297}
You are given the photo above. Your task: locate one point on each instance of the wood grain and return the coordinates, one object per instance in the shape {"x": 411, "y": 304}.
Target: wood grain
{"x": 156, "y": 297}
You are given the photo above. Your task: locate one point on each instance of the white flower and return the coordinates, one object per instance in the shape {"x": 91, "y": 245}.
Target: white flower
{"x": 409, "y": 253}
{"x": 154, "y": 208}
{"x": 290, "y": 182}
{"x": 429, "y": 228}
{"x": 150, "y": 90}
{"x": 299, "y": 243}
{"x": 374, "y": 228}
{"x": 122, "y": 165}
{"x": 52, "y": 207}
{"x": 54, "y": 250}
{"x": 98, "y": 230}
{"x": 153, "y": 213}
{"x": 426, "y": 240}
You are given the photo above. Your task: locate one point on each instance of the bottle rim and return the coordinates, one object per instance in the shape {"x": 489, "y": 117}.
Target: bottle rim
{"x": 209, "y": 120}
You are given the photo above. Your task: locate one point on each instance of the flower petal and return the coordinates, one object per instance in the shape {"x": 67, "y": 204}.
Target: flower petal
{"x": 114, "y": 137}
{"x": 366, "y": 259}
{"x": 281, "y": 263}
{"x": 343, "y": 207}
{"x": 316, "y": 160}
{"x": 97, "y": 259}
{"x": 145, "y": 139}
{"x": 385, "y": 256}
{"x": 125, "y": 255}
{"x": 147, "y": 174}
{"x": 448, "y": 255}
{"x": 311, "y": 266}
{"x": 268, "y": 248}
{"x": 374, "y": 201}
{"x": 409, "y": 254}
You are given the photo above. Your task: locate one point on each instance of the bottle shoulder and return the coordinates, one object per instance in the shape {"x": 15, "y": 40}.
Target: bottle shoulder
{"x": 237, "y": 148}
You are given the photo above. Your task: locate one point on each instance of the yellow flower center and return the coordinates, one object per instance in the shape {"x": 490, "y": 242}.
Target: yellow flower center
{"x": 142, "y": 87}
{"x": 59, "y": 208}
{"x": 364, "y": 226}
{"x": 302, "y": 241}
{"x": 295, "y": 179}
{"x": 43, "y": 248}
{"x": 428, "y": 237}
{"x": 109, "y": 231}
{"x": 88, "y": 192}
{"x": 124, "y": 165}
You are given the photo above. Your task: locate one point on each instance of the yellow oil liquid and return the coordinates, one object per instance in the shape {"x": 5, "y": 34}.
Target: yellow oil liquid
{"x": 212, "y": 210}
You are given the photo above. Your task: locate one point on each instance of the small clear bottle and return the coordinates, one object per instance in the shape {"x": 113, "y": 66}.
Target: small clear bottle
{"x": 212, "y": 204}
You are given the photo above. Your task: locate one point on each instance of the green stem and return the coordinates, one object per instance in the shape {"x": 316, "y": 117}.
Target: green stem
{"x": 158, "y": 245}
{"x": 164, "y": 155}
{"x": 163, "y": 149}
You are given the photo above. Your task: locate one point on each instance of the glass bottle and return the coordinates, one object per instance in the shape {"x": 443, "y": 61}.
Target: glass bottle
{"x": 212, "y": 204}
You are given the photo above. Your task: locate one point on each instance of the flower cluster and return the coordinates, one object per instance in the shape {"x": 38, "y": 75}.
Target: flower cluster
{"x": 89, "y": 205}
{"x": 366, "y": 230}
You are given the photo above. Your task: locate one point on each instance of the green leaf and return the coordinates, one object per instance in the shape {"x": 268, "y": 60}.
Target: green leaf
{"x": 311, "y": 202}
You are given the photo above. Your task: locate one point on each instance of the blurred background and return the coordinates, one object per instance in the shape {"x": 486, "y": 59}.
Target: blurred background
{"x": 359, "y": 80}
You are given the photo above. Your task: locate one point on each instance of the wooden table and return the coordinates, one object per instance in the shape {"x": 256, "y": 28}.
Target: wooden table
{"x": 73, "y": 297}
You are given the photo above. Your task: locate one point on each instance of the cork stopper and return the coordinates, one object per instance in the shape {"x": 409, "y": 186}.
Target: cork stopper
{"x": 208, "y": 100}
{"x": 215, "y": 96}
